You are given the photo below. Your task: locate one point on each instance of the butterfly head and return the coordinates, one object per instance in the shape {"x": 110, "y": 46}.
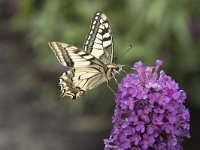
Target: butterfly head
{"x": 113, "y": 69}
{"x": 117, "y": 68}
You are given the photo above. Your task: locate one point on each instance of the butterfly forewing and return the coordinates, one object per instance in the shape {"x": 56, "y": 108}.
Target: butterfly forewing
{"x": 99, "y": 41}
{"x": 60, "y": 50}
{"x": 72, "y": 56}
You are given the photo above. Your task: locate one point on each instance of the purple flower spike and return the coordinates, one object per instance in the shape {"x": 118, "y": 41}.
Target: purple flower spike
{"x": 138, "y": 65}
{"x": 149, "y": 112}
{"x": 159, "y": 62}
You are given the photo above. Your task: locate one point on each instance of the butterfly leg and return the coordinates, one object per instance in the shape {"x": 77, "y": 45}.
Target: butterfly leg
{"x": 119, "y": 73}
{"x": 110, "y": 88}
{"x": 115, "y": 80}
{"x": 124, "y": 71}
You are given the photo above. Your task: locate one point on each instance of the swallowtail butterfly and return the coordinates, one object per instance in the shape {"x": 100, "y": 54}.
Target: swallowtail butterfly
{"x": 90, "y": 66}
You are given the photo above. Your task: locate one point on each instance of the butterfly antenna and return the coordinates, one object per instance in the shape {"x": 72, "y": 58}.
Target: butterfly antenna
{"x": 127, "y": 50}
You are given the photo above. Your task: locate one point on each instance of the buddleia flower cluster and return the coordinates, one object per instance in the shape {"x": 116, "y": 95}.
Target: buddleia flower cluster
{"x": 149, "y": 112}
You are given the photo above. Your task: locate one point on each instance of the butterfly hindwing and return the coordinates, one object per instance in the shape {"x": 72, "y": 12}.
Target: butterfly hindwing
{"x": 76, "y": 82}
{"x": 99, "y": 41}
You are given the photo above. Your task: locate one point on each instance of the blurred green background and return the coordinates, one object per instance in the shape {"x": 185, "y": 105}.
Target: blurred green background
{"x": 30, "y": 118}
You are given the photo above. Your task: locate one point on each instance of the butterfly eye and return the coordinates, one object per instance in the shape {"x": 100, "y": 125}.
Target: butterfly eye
{"x": 117, "y": 68}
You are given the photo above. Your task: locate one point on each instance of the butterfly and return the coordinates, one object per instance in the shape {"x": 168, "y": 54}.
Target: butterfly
{"x": 90, "y": 66}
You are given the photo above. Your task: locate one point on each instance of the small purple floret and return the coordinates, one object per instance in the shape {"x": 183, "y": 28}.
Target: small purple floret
{"x": 149, "y": 112}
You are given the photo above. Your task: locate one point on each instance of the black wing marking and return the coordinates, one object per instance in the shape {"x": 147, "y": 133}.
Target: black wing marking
{"x": 71, "y": 56}
{"x": 99, "y": 41}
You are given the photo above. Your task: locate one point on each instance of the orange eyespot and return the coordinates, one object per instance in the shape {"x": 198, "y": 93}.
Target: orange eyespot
{"x": 81, "y": 93}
